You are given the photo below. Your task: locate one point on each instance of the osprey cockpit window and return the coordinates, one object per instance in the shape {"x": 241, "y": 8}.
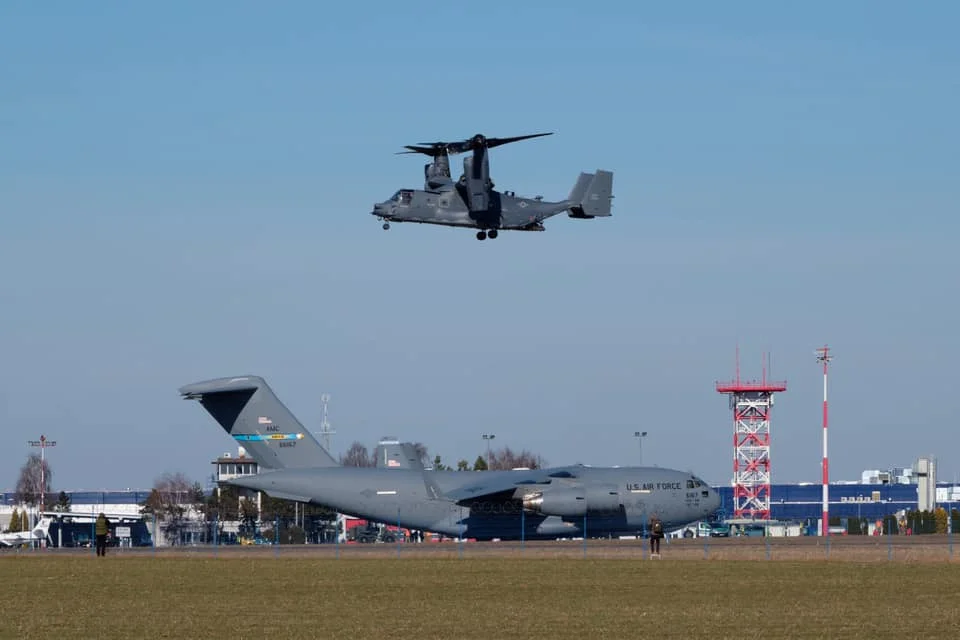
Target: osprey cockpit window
{"x": 406, "y": 197}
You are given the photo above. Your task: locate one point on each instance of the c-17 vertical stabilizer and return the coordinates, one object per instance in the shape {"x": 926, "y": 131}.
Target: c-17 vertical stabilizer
{"x": 247, "y": 408}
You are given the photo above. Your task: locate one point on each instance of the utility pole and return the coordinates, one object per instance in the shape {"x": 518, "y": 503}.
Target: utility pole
{"x": 43, "y": 443}
{"x": 640, "y": 435}
{"x": 823, "y": 356}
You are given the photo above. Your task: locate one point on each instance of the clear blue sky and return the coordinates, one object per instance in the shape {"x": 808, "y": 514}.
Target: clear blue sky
{"x": 185, "y": 188}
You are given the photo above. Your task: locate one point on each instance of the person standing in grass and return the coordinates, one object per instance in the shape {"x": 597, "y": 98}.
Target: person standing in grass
{"x": 101, "y": 530}
{"x": 656, "y": 533}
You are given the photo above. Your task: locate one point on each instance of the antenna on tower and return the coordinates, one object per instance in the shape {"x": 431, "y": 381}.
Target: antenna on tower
{"x": 325, "y": 429}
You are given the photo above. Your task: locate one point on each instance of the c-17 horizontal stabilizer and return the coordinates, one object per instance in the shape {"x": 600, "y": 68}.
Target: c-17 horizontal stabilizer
{"x": 592, "y": 195}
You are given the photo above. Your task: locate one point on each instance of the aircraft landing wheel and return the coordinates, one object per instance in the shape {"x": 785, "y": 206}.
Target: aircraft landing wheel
{"x": 492, "y": 234}
{"x": 386, "y": 225}
{"x": 481, "y": 235}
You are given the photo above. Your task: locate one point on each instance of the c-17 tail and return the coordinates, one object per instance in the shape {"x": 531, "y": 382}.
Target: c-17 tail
{"x": 247, "y": 408}
{"x": 591, "y": 195}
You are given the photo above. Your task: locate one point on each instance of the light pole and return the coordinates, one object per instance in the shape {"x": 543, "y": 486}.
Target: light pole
{"x": 43, "y": 443}
{"x": 488, "y": 437}
{"x": 640, "y": 435}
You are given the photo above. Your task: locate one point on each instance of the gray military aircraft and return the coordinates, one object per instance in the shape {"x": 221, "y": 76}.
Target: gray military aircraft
{"x": 518, "y": 504}
{"x": 472, "y": 201}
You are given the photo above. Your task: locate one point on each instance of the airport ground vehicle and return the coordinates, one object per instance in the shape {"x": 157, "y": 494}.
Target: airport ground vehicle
{"x": 367, "y": 532}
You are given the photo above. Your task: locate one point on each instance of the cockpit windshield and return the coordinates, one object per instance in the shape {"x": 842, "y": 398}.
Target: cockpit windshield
{"x": 404, "y": 196}
{"x": 695, "y": 483}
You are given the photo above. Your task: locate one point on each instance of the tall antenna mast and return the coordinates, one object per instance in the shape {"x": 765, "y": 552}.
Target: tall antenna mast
{"x": 824, "y": 357}
{"x": 325, "y": 429}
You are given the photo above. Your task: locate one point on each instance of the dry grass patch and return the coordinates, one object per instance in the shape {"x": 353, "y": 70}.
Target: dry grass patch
{"x": 265, "y": 596}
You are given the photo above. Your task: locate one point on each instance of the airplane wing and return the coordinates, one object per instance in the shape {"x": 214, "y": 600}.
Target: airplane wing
{"x": 503, "y": 486}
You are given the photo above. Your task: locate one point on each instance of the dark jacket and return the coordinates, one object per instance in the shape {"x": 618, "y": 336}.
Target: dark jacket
{"x": 656, "y": 527}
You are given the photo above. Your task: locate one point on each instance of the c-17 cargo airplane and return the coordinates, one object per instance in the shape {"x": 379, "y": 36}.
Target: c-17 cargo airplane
{"x": 529, "y": 503}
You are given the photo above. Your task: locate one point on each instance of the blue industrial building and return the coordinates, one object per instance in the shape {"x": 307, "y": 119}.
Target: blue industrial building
{"x": 804, "y": 502}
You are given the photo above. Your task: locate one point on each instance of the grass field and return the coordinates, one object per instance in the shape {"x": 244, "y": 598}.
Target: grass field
{"x": 198, "y": 596}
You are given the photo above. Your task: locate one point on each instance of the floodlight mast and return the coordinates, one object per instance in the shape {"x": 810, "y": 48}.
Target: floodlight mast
{"x": 824, "y": 357}
{"x": 43, "y": 443}
{"x": 488, "y": 437}
{"x": 640, "y": 435}
{"x": 325, "y": 429}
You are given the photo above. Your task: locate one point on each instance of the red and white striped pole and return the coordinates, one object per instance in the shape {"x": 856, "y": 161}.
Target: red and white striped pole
{"x": 823, "y": 355}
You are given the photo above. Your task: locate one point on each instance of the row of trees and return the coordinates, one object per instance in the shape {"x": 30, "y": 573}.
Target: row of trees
{"x": 20, "y": 520}
{"x": 178, "y": 503}
{"x": 34, "y": 483}
{"x": 359, "y": 456}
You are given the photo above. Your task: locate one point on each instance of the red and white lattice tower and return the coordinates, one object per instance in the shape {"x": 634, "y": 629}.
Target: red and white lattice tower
{"x": 751, "y": 403}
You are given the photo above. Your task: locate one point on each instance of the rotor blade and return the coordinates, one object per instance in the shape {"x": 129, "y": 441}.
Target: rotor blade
{"x": 496, "y": 142}
{"x": 428, "y": 151}
{"x": 435, "y": 149}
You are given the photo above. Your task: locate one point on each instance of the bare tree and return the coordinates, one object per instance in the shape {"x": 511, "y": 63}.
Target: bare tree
{"x": 506, "y": 458}
{"x": 357, "y": 456}
{"x": 29, "y": 483}
{"x": 171, "y": 500}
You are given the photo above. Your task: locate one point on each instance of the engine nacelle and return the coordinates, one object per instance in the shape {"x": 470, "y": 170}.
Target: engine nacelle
{"x": 573, "y": 501}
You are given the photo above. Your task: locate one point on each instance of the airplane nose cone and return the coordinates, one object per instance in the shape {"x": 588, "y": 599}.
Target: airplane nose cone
{"x": 714, "y": 501}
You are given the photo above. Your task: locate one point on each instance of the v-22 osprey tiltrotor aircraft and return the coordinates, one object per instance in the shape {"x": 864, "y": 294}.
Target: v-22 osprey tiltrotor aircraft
{"x": 472, "y": 201}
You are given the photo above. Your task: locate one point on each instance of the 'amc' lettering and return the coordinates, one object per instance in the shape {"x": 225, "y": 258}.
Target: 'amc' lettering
{"x": 288, "y": 444}
{"x": 273, "y": 427}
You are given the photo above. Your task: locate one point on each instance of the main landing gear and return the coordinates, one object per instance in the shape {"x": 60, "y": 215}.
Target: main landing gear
{"x": 483, "y": 235}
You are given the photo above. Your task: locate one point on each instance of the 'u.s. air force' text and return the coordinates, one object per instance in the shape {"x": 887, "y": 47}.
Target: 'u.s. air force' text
{"x": 653, "y": 486}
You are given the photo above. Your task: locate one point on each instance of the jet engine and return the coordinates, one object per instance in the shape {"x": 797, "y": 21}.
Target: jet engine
{"x": 570, "y": 502}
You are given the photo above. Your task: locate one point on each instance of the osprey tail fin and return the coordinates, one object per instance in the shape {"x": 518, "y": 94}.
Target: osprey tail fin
{"x": 591, "y": 195}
